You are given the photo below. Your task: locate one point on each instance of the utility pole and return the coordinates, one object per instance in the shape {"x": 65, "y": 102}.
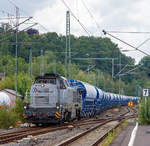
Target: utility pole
{"x": 119, "y": 71}
{"x": 112, "y": 68}
{"x": 88, "y": 73}
{"x": 30, "y": 63}
{"x": 139, "y": 91}
{"x": 104, "y": 87}
{"x": 54, "y": 66}
{"x": 68, "y": 49}
{"x": 98, "y": 79}
{"x": 94, "y": 79}
{"x": 42, "y": 64}
{"x": 17, "y": 27}
{"x": 112, "y": 74}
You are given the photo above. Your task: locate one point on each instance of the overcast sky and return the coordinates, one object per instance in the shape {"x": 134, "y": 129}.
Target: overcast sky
{"x": 111, "y": 15}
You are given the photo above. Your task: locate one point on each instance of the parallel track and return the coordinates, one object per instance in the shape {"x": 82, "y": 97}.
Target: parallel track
{"x": 16, "y": 135}
{"x": 120, "y": 118}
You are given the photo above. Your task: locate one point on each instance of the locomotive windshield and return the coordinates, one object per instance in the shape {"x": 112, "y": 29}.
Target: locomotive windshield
{"x": 46, "y": 81}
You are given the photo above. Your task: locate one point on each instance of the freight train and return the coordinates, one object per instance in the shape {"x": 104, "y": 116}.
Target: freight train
{"x": 54, "y": 99}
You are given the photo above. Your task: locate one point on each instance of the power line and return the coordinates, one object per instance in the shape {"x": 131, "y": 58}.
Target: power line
{"x": 91, "y": 15}
{"x": 136, "y": 48}
{"x": 27, "y": 14}
{"x": 81, "y": 24}
{"x": 18, "y": 24}
{"x": 7, "y": 18}
{"x": 129, "y": 32}
{"x": 8, "y": 14}
{"x": 12, "y": 3}
{"x": 94, "y": 58}
{"x": 18, "y": 32}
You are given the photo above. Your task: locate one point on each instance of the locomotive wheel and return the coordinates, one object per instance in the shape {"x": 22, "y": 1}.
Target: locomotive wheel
{"x": 67, "y": 116}
{"x": 78, "y": 114}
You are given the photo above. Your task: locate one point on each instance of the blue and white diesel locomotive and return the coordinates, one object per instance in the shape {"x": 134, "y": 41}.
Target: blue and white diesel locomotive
{"x": 54, "y": 99}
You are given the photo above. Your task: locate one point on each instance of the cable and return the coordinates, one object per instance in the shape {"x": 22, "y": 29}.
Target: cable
{"x": 84, "y": 28}
{"x": 5, "y": 12}
{"x": 18, "y": 32}
{"x": 127, "y": 32}
{"x": 27, "y": 14}
{"x": 17, "y": 25}
{"x": 12, "y": 3}
{"x": 143, "y": 42}
{"x": 125, "y": 42}
{"x": 91, "y": 15}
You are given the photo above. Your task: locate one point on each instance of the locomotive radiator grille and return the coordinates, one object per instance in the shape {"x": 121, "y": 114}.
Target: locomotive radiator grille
{"x": 42, "y": 100}
{"x": 44, "y": 96}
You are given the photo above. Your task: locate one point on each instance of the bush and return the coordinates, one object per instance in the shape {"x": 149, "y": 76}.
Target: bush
{"x": 7, "y": 118}
{"x": 144, "y": 114}
{"x": 18, "y": 109}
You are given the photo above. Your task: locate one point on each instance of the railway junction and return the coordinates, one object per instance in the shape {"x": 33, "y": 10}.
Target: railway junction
{"x": 76, "y": 83}
{"x": 84, "y": 132}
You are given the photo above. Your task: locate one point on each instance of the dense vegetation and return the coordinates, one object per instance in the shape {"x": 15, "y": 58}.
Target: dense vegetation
{"x": 10, "y": 117}
{"x": 53, "y": 60}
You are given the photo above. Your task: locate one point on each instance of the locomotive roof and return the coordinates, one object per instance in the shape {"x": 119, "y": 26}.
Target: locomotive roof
{"x": 48, "y": 75}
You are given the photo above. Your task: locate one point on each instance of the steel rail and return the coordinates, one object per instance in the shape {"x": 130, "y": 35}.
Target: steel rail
{"x": 77, "y": 137}
{"x": 82, "y": 134}
{"x": 111, "y": 131}
{"x": 16, "y": 135}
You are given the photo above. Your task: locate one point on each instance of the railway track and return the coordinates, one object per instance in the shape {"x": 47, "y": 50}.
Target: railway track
{"x": 93, "y": 136}
{"x": 17, "y": 135}
{"x": 13, "y": 136}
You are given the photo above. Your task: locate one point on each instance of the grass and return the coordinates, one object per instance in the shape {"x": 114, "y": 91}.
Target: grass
{"x": 111, "y": 135}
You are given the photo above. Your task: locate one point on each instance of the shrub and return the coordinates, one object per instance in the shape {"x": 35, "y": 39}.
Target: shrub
{"x": 144, "y": 112}
{"x": 18, "y": 109}
{"x": 7, "y": 118}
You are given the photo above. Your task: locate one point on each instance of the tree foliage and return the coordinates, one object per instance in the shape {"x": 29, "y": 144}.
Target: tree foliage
{"x": 53, "y": 46}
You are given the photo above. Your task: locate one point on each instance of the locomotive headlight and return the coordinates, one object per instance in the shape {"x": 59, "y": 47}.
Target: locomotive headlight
{"x": 57, "y": 107}
{"x": 25, "y": 107}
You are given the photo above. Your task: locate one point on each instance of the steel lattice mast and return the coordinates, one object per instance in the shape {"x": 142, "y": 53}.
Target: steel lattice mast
{"x": 68, "y": 49}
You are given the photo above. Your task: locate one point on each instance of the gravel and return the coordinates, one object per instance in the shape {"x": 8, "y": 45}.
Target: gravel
{"x": 53, "y": 138}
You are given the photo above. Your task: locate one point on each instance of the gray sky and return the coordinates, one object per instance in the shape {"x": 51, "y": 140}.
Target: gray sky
{"x": 119, "y": 15}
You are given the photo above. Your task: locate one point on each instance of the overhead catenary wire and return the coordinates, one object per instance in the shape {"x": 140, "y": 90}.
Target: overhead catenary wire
{"x": 7, "y": 18}
{"x": 131, "y": 50}
{"x": 143, "y": 43}
{"x": 130, "y": 71}
{"x": 27, "y": 15}
{"x": 91, "y": 15}
{"x": 105, "y": 32}
{"x": 8, "y": 14}
{"x": 18, "y": 25}
{"x": 25, "y": 29}
{"x": 137, "y": 32}
{"x": 81, "y": 24}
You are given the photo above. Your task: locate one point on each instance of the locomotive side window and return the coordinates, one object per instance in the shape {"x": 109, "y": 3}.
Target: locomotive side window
{"x": 66, "y": 83}
{"x": 62, "y": 84}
